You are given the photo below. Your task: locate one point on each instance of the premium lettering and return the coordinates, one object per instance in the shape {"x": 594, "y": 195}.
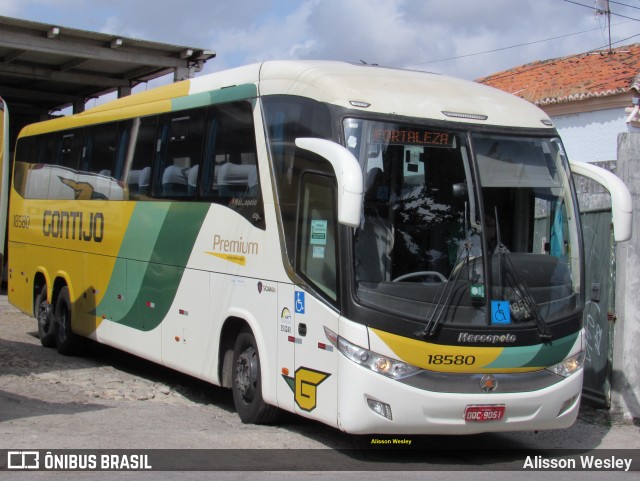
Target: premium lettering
{"x": 73, "y": 225}
{"x": 234, "y": 246}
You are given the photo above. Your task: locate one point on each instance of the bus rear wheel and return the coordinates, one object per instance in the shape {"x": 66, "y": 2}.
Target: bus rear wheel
{"x": 66, "y": 341}
{"x": 42, "y": 310}
{"x": 247, "y": 383}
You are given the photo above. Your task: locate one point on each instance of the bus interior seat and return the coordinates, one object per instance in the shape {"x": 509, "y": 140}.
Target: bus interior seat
{"x": 236, "y": 178}
{"x": 192, "y": 180}
{"x": 134, "y": 181}
{"x": 143, "y": 180}
{"x": 174, "y": 180}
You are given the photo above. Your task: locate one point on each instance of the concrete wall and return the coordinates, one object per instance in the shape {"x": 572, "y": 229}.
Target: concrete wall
{"x": 625, "y": 396}
{"x": 603, "y": 136}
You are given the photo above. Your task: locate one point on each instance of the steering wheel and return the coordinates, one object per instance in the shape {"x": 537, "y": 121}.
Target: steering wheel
{"x": 410, "y": 275}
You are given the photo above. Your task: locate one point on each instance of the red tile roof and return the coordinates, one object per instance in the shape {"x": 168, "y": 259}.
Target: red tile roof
{"x": 593, "y": 74}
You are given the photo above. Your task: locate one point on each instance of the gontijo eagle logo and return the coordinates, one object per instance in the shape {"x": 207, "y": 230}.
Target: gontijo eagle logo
{"x": 82, "y": 190}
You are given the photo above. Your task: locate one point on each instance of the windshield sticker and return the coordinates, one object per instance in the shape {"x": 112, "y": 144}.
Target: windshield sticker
{"x": 318, "y": 233}
{"x": 500, "y": 312}
{"x": 476, "y": 292}
{"x": 318, "y": 252}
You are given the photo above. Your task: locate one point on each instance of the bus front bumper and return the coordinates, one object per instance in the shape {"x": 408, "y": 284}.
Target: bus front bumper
{"x": 370, "y": 403}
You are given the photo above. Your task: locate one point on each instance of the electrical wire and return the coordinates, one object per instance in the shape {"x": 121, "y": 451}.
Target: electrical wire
{"x": 546, "y": 64}
{"x": 503, "y": 48}
{"x": 594, "y": 8}
{"x": 624, "y": 4}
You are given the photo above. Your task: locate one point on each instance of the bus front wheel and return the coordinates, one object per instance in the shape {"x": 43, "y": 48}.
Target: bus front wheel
{"x": 247, "y": 382}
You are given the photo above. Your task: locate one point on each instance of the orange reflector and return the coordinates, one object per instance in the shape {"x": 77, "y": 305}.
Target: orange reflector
{"x": 285, "y": 371}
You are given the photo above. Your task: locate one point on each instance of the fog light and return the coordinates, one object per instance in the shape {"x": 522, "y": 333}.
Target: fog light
{"x": 380, "y": 408}
{"x": 567, "y": 405}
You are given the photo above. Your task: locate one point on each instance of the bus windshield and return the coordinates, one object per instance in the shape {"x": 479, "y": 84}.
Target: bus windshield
{"x": 465, "y": 228}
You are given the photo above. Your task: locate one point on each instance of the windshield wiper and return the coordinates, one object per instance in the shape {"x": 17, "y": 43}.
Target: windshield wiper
{"x": 519, "y": 286}
{"x": 522, "y": 292}
{"x": 438, "y": 311}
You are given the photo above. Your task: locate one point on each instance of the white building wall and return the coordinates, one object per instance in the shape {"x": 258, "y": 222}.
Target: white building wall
{"x": 591, "y": 136}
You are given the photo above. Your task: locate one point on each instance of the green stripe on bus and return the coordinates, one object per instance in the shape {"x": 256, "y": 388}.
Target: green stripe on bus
{"x": 540, "y": 355}
{"x": 229, "y": 94}
{"x": 511, "y": 357}
{"x": 146, "y": 221}
{"x": 555, "y": 352}
{"x": 152, "y": 282}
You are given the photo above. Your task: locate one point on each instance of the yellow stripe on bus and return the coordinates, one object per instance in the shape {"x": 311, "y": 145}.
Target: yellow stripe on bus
{"x": 444, "y": 358}
{"x": 154, "y": 101}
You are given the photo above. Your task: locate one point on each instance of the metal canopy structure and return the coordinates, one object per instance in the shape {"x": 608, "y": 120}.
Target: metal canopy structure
{"x": 46, "y": 67}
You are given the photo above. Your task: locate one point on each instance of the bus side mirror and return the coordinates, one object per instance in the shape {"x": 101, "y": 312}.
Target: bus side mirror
{"x": 621, "y": 201}
{"x": 348, "y": 174}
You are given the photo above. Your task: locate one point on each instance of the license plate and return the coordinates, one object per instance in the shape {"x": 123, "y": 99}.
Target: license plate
{"x": 484, "y": 413}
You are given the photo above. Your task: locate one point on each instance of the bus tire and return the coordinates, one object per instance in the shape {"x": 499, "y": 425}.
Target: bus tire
{"x": 247, "y": 383}
{"x": 66, "y": 341}
{"x": 44, "y": 318}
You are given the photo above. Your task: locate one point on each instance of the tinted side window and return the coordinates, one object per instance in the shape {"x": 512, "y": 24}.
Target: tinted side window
{"x": 98, "y": 153}
{"x": 287, "y": 119}
{"x": 230, "y": 173}
{"x": 317, "y": 255}
{"x": 68, "y": 148}
{"x": 144, "y": 137}
{"x": 179, "y": 152}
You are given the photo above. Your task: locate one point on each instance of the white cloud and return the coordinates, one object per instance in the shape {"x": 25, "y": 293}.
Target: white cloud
{"x": 414, "y": 33}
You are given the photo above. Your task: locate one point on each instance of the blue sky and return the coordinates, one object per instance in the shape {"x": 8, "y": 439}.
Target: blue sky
{"x": 445, "y": 36}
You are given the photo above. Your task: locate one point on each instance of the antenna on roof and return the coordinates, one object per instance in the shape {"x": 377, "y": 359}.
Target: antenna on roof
{"x": 602, "y": 8}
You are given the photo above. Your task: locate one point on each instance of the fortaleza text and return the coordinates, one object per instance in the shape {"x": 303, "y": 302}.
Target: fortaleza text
{"x": 401, "y": 442}
{"x": 586, "y": 462}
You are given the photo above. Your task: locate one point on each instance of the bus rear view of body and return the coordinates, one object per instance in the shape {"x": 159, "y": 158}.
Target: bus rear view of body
{"x": 385, "y": 251}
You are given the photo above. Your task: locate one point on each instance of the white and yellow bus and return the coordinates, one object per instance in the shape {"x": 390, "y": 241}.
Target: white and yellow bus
{"x": 381, "y": 250}
{"x": 4, "y": 178}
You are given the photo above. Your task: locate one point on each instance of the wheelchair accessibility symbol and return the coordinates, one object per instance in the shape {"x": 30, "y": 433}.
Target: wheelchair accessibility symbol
{"x": 500, "y": 312}
{"x": 299, "y": 302}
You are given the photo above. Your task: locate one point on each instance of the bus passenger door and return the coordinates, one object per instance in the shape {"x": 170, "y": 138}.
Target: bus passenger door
{"x": 285, "y": 383}
{"x": 315, "y": 377}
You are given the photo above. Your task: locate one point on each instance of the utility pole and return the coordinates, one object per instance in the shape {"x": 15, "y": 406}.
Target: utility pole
{"x": 602, "y": 8}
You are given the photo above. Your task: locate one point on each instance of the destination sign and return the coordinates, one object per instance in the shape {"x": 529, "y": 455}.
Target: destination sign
{"x": 411, "y": 136}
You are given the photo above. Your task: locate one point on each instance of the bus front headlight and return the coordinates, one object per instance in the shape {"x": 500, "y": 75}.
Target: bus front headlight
{"x": 375, "y": 362}
{"x": 569, "y": 366}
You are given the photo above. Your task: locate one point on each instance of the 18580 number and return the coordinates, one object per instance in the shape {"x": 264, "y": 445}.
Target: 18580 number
{"x": 21, "y": 221}
{"x": 451, "y": 360}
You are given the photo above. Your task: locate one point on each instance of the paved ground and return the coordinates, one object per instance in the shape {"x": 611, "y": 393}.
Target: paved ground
{"x": 109, "y": 399}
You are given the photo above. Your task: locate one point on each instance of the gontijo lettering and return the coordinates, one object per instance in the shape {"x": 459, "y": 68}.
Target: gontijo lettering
{"x": 74, "y": 225}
